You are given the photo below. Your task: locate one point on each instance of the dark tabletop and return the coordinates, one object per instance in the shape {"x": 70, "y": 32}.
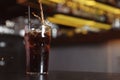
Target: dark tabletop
{"x": 62, "y": 75}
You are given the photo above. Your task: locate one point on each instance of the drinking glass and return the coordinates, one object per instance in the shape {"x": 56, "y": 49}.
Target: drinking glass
{"x": 37, "y": 44}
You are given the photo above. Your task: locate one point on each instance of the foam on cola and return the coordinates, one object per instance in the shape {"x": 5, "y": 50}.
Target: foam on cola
{"x": 37, "y": 51}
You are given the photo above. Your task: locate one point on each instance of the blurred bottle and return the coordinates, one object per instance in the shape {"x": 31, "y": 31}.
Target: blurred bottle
{"x": 116, "y": 23}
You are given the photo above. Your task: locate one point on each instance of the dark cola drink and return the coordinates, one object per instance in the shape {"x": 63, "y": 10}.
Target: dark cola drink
{"x": 37, "y": 52}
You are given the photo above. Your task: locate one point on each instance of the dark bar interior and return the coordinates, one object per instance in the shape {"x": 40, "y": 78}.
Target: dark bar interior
{"x": 85, "y": 39}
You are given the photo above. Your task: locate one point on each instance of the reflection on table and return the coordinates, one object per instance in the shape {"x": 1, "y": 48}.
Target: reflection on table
{"x": 62, "y": 75}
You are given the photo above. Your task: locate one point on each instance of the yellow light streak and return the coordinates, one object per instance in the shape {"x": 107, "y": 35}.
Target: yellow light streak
{"x": 107, "y": 8}
{"x": 92, "y": 3}
{"x": 58, "y": 1}
{"x": 77, "y": 22}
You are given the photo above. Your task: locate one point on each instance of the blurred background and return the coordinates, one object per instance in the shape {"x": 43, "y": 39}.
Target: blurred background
{"x": 85, "y": 33}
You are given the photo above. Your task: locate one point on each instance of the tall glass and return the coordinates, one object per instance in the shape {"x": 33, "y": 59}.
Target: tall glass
{"x": 37, "y": 42}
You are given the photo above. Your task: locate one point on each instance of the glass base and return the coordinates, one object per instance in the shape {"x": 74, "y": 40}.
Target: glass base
{"x": 36, "y": 73}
